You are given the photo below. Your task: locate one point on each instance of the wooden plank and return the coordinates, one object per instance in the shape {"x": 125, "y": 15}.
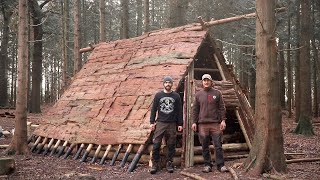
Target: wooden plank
{"x": 244, "y": 131}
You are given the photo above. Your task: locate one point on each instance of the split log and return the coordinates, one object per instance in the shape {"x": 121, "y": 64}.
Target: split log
{"x": 7, "y": 166}
{"x": 233, "y": 173}
{"x": 302, "y": 160}
{"x": 40, "y": 146}
{"x": 4, "y": 146}
{"x": 192, "y": 175}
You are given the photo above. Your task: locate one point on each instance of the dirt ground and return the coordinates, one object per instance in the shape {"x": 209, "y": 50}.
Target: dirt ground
{"x": 34, "y": 166}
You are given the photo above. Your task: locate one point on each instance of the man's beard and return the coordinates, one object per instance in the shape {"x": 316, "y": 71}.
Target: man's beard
{"x": 168, "y": 88}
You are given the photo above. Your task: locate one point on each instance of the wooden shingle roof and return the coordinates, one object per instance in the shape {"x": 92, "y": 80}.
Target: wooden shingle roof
{"x": 108, "y": 101}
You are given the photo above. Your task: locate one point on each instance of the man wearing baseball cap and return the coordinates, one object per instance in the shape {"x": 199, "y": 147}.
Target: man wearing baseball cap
{"x": 209, "y": 118}
{"x": 169, "y": 107}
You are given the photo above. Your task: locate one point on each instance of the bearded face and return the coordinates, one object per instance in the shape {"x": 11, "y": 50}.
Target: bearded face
{"x": 167, "y": 85}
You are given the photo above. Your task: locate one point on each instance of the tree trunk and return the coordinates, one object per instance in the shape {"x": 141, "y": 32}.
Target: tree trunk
{"x": 282, "y": 75}
{"x": 316, "y": 74}
{"x": 267, "y": 148}
{"x": 177, "y": 14}
{"x": 64, "y": 23}
{"x": 124, "y": 33}
{"x": 304, "y": 125}
{"x": 19, "y": 142}
{"x": 76, "y": 38}
{"x": 297, "y": 64}
{"x": 102, "y": 7}
{"x": 146, "y": 16}
{"x": 6, "y": 13}
{"x": 37, "y": 57}
{"x": 139, "y": 17}
{"x": 289, "y": 69}
{"x": 252, "y": 83}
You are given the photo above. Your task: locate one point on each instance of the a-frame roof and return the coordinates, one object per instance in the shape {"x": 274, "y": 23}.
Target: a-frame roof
{"x": 108, "y": 101}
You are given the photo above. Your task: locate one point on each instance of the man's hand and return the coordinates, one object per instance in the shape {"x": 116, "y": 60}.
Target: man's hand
{"x": 180, "y": 128}
{"x": 194, "y": 127}
{"x": 223, "y": 125}
{"x": 152, "y": 127}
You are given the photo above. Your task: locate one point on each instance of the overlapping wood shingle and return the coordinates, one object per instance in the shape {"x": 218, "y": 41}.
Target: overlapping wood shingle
{"x": 108, "y": 101}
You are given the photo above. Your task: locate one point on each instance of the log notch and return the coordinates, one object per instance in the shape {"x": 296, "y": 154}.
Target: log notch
{"x": 7, "y": 165}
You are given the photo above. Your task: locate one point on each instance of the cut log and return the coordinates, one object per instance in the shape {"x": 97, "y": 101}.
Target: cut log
{"x": 302, "y": 160}
{"x": 4, "y": 146}
{"x": 271, "y": 176}
{"x": 7, "y": 165}
{"x": 233, "y": 173}
{"x": 236, "y": 18}
{"x": 192, "y": 175}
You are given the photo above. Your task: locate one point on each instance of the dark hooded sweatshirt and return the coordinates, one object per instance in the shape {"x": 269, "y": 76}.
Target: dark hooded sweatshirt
{"x": 209, "y": 107}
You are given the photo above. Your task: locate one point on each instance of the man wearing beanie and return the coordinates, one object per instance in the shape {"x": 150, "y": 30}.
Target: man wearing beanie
{"x": 167, "y": 106}
{"x": 209, "y": 117}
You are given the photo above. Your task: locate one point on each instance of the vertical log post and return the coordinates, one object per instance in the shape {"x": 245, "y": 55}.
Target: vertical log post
{"x": 78, "y": 152}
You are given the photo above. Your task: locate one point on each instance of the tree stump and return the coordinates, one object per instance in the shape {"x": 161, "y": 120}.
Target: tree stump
{"x": 7, "y": 165}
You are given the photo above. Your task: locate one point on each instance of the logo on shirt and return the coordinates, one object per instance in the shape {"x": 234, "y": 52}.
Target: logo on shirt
{"x": 166, "y": 105}
{"x": 214, "y": 97}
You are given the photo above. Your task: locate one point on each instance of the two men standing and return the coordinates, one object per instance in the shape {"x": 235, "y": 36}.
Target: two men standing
{"x": 208, "y": 116}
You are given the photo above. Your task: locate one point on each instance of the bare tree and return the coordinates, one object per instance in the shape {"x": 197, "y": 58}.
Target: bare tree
{"x": 102, "y": 7}
{"x": 146, "y": 16}
{"x": 6, "y": 13}
{"x": 76, "y": 37}
{"x": 289, "y": 70}
{"x": 35, "y": 99}
{"x": 267, "y": 149}
{"x": 305, "y": 114}
{"x": 19, "y": 142}
{"x": 124, "y": 32}
{"x": 139, "y": 17}
{"x": 178, "y": 10}
{"x": 64, "y": 47}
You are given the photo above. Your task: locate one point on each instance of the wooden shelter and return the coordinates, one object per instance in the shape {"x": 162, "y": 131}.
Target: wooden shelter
{"x": 105, "y": 112}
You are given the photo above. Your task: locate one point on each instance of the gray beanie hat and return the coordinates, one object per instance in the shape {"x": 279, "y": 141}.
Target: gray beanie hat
{"x": 167, "y": 78}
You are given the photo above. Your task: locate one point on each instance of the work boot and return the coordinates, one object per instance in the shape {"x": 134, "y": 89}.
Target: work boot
{"x": 207, "y": 169}
{"x": 154, "y": 168}
{"x": 169, "y": 167}
{"x": 223, "y": 169}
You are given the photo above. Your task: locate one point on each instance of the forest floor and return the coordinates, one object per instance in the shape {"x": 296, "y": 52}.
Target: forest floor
{"x": 34, "y": 166}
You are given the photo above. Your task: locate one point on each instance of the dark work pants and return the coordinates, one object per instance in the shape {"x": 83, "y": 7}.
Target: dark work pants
{"x": 167, "y": 130}
{"x": 205, "y": 132}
